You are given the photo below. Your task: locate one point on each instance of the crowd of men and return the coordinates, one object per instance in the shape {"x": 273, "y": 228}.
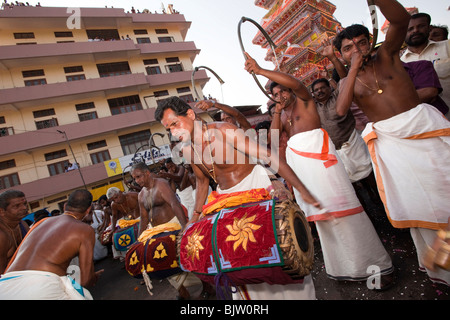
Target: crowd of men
{"x": 380, "y": 123}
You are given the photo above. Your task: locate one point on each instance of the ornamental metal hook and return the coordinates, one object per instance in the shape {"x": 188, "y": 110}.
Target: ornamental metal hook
{"x": 193, "y": 80}
{"x": 271, "y": 43}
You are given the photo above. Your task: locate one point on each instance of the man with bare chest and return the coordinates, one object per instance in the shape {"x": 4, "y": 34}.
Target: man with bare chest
{"x": 157, "y": 201}
{"x": 409, "y": 141}
{"x": 312, "y": 155}
{"x": 159, "y": 207}
{"x": 13, "y": 208}
{"x": 38, "y": 270}
{"x": 123, "y": 204}
{"x": 124, "y": 214}
{"x": 224, "y": 153}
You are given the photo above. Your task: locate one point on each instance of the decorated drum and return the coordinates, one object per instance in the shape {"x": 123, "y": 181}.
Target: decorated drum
{"x": 252, "y": 243}
{"x": 156, "y": 256}
{"x": 124, "y": 238}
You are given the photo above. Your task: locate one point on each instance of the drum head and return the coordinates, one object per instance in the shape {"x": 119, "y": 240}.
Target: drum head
{"x": 295, "y": 238}
{"x": 301, "y": 234}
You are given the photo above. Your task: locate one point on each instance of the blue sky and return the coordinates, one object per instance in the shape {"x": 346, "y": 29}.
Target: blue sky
{"x": 214, "y": 30}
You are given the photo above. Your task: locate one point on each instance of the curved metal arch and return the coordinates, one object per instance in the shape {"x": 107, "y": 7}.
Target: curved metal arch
{"x": 271, "y": 43}
{"x": 193, "y": 80}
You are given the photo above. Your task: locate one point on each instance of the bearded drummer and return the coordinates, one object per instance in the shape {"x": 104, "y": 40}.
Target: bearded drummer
{"x": 158, "y": 207}
{"x": 205, "y": 146}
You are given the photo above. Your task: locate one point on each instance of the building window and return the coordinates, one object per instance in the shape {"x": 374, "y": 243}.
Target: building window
{"x": 174, "y": 68}
{"x": 153, "y": 70}
{"x": 9, "y": 181}
{"x": 7, "y": 164}
{"x": 150, "y": 61}
{"x": 23, "y": 35}
{"x": 63, "y": 34}
{"x": 6, "y": 131}
{"x": 33, "y": 73}
{"x": 76, "y": 77}
{"x": 161, "y": 93}
{"x": 55, "y": 155}
{"x": 183, "y": 89}
{"x": 2, "y": 120}
{"x": 100, "y": 156}
{"x": 35, "y": 82}
{"x": 124, "y": 104}
{"x": 87, "y": 116}
{"x": 44, "y": 113}
{"x": 187, "y": 98}
{"x": 161, "y": 31}
{"x": 132, "y": 142}
{"x": 143, "y": 40}
{"x": 113, "y": 69}
{"x": 96, "y": 145}
{"x": 166, "y": 39}
{"x": 105, "y": 34}
{"x": 58, "y": 167}
{"x": 172, "y": 59}
{"x": 73, "y": 69}
{"x": 84, "y": 106}
{"x": 47, "y": 123}
{"x": 140, "y": 31}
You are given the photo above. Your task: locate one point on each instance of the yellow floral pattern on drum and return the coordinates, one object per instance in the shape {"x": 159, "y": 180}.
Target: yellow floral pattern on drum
{"x": 241, "y": 231}
{"x": 194, "y": 245}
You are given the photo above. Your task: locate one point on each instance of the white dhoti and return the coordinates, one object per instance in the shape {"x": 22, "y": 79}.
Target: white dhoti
{"x": 258, "y": 178}
{"x": 187, "y": 199}
{"x": 355, "y": 157}
{"x": 40, "y": 285}
{"x": 349, "y": 242}
{"x": 411, "y": 158}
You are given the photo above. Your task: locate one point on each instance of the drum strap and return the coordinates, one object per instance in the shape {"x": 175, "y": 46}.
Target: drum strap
{"x": 225, "y": 288}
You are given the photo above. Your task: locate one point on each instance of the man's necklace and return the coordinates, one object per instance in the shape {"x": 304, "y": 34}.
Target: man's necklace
{"x": 378, "y": 90}
{"x": 211, "y": 172}
{"x": 72, "y": 215}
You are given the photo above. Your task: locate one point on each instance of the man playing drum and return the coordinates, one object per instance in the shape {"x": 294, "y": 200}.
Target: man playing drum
{"x": 124, "y": 213}
{"x": 220, "y": 151}
{"x": 350, "y": 244}
{"x": 160, "y": 207}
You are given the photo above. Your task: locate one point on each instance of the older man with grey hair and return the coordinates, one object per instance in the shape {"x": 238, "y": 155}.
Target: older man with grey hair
{"x": 124, "y": 206}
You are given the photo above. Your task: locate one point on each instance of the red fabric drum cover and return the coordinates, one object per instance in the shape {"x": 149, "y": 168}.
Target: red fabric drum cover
{"x": 238, "y": 242}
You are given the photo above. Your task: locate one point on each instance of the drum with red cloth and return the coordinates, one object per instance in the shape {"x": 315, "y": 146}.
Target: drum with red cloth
{"x": 156, "y": 256}
{"x": 266, "y": 241}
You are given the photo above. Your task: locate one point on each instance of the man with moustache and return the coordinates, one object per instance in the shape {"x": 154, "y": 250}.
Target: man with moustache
{"x": 347, "y": 141}
{"x": 222, "y": 151}
{"x": 408, "y": 140}
{"x": 421, "y": 48}
{"x": 13, "y": 208}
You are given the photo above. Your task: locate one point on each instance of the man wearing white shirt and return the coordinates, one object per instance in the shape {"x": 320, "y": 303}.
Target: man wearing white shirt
{"x": 421, "y": 48}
